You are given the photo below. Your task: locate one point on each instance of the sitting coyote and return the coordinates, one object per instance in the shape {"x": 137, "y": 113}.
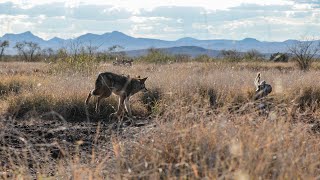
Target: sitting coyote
{"x": 123, "y": 86}
{"x": 262, "y": 88}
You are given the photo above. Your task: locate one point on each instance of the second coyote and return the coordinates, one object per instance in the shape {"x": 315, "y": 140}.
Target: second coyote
{"x": 123, "y": 86}
{"x": 262, "y": 88}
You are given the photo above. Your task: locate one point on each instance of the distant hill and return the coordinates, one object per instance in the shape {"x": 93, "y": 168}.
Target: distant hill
{"x": 192, "y": 51}
{"x": 106, "y": 40}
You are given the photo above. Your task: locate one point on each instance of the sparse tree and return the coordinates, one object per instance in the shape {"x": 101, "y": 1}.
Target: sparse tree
{"x": 91, "y": 51}
{"x": 48, "y": 54}
{"x": 73, "y": 49}
{"x": 77, "y": 56}
{"x": 231, "y": 55}
{"x": 28, "y": 50}
{"x": 304, "y": 53}
{"x": 78, "y": 51}
{"x": 115, "y": 48}
{"x": 253, "y": 54}
{"x": 3, "y": 46}
{"x": 115, "y": 52}
{"x": 62, "y": 53}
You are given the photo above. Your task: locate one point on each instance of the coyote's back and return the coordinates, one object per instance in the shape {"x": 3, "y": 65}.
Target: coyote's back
{"x": 109, "y": 81}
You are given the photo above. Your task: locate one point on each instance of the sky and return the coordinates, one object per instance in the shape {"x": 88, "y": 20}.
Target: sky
{"x": 265, "y": 20}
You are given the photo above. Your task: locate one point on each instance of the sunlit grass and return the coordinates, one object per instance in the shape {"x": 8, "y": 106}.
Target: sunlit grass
{"x": 201, "y": 121}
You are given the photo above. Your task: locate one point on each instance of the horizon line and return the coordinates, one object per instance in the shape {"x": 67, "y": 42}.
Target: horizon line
{"x": 115, "y": 31}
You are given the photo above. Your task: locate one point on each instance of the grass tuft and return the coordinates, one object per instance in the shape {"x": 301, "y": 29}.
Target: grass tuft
{"x": 71, "y": 109}
{"x": 14, "y": 85}
{"x": 152, "y": 99}
{"x": 309, "y": 98}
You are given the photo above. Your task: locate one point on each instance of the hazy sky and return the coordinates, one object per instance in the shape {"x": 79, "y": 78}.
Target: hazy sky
{"x": 266, "y": 20}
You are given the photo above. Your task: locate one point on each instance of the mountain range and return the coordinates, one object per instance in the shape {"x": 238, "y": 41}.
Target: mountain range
{"x": 132, "y": 44}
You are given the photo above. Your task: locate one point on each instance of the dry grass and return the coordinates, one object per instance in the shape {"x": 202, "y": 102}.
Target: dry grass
{"x": 198, "y": 120}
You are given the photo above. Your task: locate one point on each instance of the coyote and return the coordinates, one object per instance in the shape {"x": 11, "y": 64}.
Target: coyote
{"x": 262, "y": 88}
{"x": 121, "y": 85}
{"x": 122, "y": 62}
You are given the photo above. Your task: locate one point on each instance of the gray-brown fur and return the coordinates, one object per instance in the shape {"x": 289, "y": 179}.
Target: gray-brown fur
{"x": 262, "y": 88}
{"x": 123, "y": 62}
{"x": 279, "y": 57}
{"x": 121, "y": 85}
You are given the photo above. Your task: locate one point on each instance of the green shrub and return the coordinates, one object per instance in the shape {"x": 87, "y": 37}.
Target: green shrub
{"x": 82, "y": 63}
{"x": 157, "y": 56}
{"x": 203, "y": 58}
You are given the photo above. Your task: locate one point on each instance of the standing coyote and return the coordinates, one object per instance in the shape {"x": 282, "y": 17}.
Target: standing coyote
{"x": 123, "y": 86}
{"x": 262, "y": 88}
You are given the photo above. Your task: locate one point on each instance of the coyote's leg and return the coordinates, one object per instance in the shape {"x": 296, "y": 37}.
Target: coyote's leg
{"x": 127, "y": 106}
{"x": 94, "y": 92}
{"x": 88, "y": 98}
{"x": 120, "y": 105}
{"x": 105, "y": 95}
{"x": 98, "y": 104}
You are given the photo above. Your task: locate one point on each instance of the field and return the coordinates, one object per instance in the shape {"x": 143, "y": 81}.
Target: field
{"x": 197, "y": 120}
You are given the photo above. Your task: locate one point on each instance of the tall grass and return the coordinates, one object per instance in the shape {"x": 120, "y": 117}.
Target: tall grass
{"x": 232, "y": 148}
{"x": 198, "y": 120}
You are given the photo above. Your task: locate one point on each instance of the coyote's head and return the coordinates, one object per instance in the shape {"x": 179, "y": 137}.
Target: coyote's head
{"x": 139, "y": 84}
{"x": 262, "y": 88}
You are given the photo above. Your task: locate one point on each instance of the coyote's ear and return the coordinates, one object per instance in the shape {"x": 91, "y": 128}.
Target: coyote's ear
{"x": 258, "y": 76}
{"x": 143, "y": 79}
{"x": 257, "y": 80}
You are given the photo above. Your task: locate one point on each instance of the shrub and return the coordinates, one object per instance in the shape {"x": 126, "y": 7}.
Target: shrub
{"x": 157, "y": 56}
{"x": 253, "y": 55}
{"x": 203, "y": 58}
{"x": 83, "y": 63}
{"x": 231, "y": 55}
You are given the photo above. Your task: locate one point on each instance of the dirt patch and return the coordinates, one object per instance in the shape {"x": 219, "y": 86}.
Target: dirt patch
{"x": 34, "y": 142}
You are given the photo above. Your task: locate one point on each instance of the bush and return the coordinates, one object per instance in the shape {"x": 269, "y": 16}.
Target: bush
{"x": 231, "y": 55}
{"x": 203, "y": 58}
{"x": 253, "y": 55}
{"x": 77, "y": 59}
{"x": 83, "y": 63}
{"x": 157, "y": 56}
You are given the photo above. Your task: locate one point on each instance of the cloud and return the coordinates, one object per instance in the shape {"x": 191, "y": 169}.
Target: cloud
{"x": 306, "y": 1}
{"x": 264, "y": 20}
{"x": 82, "y": 11}
{"x": 143, "y": 19}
